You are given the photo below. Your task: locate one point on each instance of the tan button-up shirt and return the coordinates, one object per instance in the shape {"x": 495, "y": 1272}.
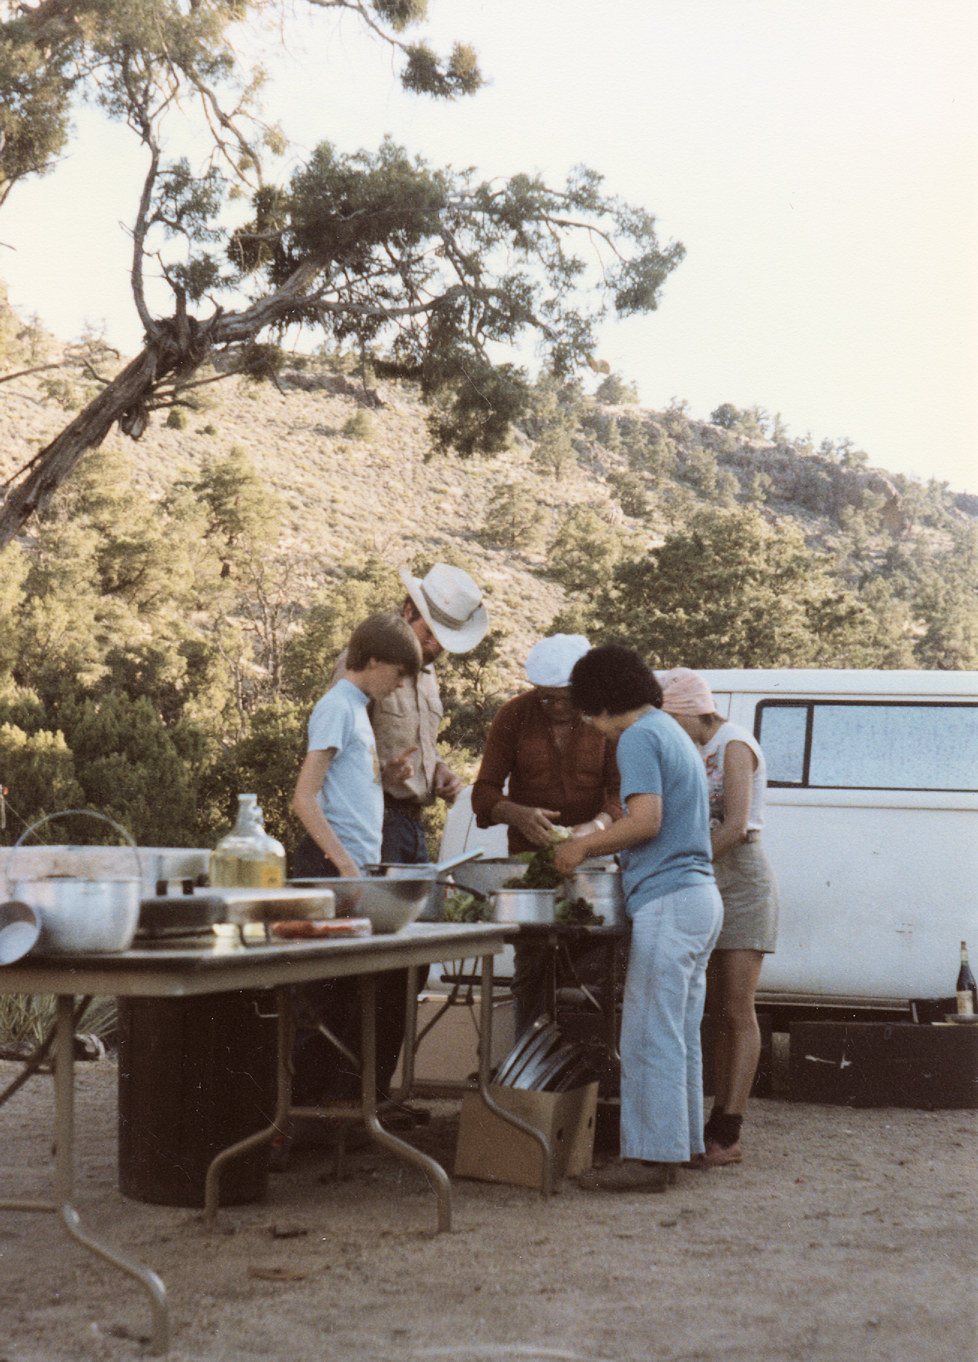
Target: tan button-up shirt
{"x": 410, "y": 717}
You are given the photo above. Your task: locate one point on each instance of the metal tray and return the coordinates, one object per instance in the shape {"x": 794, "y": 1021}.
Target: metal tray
{"x": 540, "y": 1044}
{"x": 539, "y": 1076}
{"x": 518, "y": 1055}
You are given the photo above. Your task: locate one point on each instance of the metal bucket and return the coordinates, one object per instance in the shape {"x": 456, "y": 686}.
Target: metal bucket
{"x": 600, "y": 883}
{"x": 81, "y": 915}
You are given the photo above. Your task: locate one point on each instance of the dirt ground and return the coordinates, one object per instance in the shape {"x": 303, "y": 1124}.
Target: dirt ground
{"x": 845, "y": 1234}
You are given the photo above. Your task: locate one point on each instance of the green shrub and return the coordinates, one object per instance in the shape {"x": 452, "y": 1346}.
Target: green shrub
{"x": 360, "y": 426}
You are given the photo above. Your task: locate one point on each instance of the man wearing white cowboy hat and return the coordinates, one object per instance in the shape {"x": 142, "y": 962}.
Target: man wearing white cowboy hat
{"x": 446, "y": 611}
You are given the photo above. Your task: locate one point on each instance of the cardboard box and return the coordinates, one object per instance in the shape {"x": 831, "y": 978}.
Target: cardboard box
{"x": 492, "y": 1150}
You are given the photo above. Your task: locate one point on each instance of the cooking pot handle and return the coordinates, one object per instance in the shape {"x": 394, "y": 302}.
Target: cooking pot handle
{"x": 65, "y": 813}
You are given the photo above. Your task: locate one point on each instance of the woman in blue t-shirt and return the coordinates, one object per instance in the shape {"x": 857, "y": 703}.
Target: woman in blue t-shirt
{"x": 663, "y": 844}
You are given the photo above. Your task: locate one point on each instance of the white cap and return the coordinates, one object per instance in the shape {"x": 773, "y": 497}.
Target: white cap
{"x": 451, "y": 605}
{"x": 551, "y": 661}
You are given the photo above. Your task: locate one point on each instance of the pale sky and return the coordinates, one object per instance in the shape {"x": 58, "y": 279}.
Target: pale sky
{"x": 817, "y": 158}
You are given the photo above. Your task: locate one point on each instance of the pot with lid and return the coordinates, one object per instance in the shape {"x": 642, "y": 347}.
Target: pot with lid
{"x": 599, "y": 881}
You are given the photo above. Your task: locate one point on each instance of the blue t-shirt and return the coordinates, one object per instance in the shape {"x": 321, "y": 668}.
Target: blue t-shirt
{"x": 351, "y": 797}
{"x": 656, "y": 757}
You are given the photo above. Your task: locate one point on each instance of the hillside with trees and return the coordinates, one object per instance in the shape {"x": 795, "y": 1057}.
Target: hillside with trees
{"x": 333, "y": 384}
{"x": 168, "y": 620}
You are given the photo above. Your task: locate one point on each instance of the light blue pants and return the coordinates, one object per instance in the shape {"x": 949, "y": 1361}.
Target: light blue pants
{"x": 665, "y": 989}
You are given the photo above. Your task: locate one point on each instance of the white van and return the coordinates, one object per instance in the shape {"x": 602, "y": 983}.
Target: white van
{"x": 872, "y": 829}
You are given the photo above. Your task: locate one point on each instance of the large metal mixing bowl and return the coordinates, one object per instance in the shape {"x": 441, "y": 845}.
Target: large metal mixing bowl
{"x": 489, "y": 874}
{"x": 389, "y": 904}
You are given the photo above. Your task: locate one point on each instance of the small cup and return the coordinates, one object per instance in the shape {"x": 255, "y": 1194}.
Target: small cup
{"x": 19, "y": 930}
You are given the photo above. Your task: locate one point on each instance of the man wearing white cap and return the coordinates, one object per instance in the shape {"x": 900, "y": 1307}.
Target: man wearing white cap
{"x": 560, "y": 770}
{"x": 543, "y": 766}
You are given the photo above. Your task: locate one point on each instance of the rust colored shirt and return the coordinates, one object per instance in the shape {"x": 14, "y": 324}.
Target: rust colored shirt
{"x": 580, "y": 780}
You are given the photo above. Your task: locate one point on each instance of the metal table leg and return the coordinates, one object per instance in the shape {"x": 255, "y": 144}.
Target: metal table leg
{"x": 406, "y": 1084}
{"x": 64, "y": 1107}
{"x": 368, "y": 1022}
{"x": 212, "y": 1181}
{"x": 485, "y": 1060}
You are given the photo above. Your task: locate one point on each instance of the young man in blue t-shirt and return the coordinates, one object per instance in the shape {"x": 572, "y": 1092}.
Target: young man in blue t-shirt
{"x": 338, "y": 796}
{"x": 340, "y": 802}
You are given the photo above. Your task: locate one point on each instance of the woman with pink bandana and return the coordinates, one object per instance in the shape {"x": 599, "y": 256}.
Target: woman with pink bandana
{"x": 737, "y": 780}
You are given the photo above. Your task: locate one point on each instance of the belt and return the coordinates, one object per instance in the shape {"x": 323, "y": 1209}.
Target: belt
{"x": 752, "y": 835}
{"x": 410, "y": 807}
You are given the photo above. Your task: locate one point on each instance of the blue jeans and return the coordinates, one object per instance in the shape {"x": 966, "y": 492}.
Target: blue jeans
{"x": 665, "y": 989}
{"x": 404, "y": 840}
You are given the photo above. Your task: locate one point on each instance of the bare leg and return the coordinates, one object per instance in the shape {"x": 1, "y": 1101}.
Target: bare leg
{"x": 733, "y": 983}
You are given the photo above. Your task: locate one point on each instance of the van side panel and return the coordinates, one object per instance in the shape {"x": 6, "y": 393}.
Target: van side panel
{"x": 874, "y": 900}
{"x": 877, "y": 887}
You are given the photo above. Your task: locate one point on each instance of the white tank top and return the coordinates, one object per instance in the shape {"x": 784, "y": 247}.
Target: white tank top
{"x": 713, "y": 754}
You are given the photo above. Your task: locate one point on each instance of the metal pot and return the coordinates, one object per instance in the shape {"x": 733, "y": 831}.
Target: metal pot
{"x": 523, "y": 905}
{"x": 600, "y": 883}
{"x": 81, "y": 915}
{"x": 489, "y": 874}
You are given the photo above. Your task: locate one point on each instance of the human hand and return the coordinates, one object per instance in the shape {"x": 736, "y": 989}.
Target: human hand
{"x": 534, "y": 824}
{"x": 399, "y": 768}
{"x": 568, "y": 856}
{"x": 446, "y": 784}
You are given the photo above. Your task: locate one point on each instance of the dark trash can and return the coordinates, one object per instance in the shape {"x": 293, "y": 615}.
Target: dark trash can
{"x": 195, "y": 1076}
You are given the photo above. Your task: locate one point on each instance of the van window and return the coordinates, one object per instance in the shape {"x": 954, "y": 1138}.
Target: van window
{"x": 881, "y": 745}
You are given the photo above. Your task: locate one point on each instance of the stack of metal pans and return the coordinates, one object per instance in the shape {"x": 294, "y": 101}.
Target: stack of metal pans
{"x": 540, "y": 1061}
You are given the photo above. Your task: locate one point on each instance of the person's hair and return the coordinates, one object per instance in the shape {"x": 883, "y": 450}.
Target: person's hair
{"x": 385, "y": 638}
{"x": 613, "y": 679}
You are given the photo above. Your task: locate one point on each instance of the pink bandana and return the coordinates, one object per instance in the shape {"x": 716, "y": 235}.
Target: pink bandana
{"x": 685, "y": 692}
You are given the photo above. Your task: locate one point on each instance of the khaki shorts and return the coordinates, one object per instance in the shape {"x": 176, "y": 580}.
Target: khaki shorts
{"x": 750, "y": 899}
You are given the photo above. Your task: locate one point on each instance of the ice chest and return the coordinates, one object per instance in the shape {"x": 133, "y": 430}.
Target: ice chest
{"x": 884, "y": 1064}
{"x": 491, "y": 1149}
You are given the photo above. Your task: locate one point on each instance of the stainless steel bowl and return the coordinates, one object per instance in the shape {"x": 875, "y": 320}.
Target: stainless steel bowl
{"x": 434, "y": 908}
{"x": 489, "y": 874}
{"x": 389, "y": 904}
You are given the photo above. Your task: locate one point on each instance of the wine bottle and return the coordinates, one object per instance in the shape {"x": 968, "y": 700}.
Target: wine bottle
{"x": 966, "y": 989}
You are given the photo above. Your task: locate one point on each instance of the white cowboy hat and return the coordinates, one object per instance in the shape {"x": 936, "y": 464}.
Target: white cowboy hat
{"x": 451, "y": 605}
{"x": 551, "y": 661}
